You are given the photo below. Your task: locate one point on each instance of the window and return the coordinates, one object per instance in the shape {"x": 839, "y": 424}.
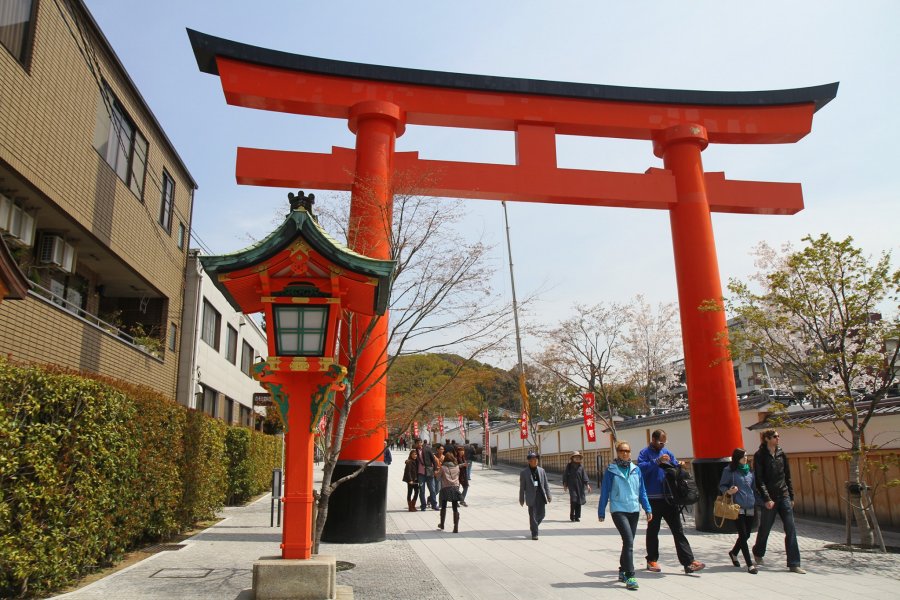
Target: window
{"x": 229, "y": 410}
{"x": 68, "y": 291}
{"x": 212, "y": 323}
{"x": 119, "y": 142}
{"x": 231, "y": 345}
{"x": 173, "y": 336}
{"x": 209, "y": 401}
{"x": 166, "y": 202}
{"x": 300, "y": 330}
{"x": 181, "y": 235}
{"x": 17, "y": 27}
{"x": 246, "y": 358}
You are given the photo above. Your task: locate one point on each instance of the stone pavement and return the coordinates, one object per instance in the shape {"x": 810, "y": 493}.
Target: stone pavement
{"x": 494, "y": 557}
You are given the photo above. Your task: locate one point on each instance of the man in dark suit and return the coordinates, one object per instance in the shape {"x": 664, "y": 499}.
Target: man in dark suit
{"x": 534, "y": 491}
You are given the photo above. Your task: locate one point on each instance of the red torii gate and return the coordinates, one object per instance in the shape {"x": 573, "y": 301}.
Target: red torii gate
{"x": 378, "y": 102}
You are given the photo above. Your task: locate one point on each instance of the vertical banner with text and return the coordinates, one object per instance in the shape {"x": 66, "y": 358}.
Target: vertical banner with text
{"x": 523, "y": 426}
{"x": 588, "y": 411}
{"x": 441, "y": 424}
{"x": 462, "y": 429}
{"x": 415, "y": 429}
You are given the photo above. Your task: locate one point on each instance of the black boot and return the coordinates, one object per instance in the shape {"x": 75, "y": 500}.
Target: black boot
{"x": 443, "y": 515}
{"x": 455, "y": 521}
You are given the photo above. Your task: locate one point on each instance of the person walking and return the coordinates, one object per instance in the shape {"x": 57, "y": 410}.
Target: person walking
{"x": 411, "y": 477}
{"x": 737, "y": 482}
{"x": 450, "y": 490}
{"x": 426, "y": 475}
{"x": 575, "y": 481}
{"x": 463, "y": 465}
{"x": 623, "y": 489}
{"x": 534, "y": 490}
{"x": 653, "y": 461}
{"x": 772, "y": 475}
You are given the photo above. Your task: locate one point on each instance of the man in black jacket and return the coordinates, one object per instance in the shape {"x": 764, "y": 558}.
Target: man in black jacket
{"x": 772, "y": 475}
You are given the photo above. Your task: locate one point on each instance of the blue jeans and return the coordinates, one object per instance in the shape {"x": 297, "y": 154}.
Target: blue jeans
{"x": 627, "y": 524}
{"x": 432, "y": 492}
{"x": 784, "y": 510}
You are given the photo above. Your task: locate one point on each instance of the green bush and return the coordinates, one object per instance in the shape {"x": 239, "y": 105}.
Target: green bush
{"x": 204, "y": 470}
{"x": 91, "y": 466}
{"x": 251, "y": 458}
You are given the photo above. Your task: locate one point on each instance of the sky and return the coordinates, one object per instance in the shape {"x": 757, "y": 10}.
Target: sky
{"x": 565, "y": 254}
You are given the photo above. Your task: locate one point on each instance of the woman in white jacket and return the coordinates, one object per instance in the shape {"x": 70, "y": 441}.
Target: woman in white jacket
{"x": 623, "y": 488}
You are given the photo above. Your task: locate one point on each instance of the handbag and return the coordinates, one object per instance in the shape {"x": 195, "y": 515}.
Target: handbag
{"x": 725, "y": 509}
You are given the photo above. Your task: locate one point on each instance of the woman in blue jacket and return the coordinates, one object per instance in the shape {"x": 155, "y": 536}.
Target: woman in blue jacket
{"x": 737, "y": 482}
{"x": 623, "y": 488}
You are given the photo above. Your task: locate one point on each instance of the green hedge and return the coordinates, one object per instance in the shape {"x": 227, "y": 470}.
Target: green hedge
{"x": 90, "y": 467}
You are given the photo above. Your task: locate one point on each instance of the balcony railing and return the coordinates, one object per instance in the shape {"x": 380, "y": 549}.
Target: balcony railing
{"x": 79, "y": 313}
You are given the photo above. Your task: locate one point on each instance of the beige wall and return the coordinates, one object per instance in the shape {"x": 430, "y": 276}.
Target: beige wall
{"x": 47, "y": 124}
{"x": 37, "y": 331}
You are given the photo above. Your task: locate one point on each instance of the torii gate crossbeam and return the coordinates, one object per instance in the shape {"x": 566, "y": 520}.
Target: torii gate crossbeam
{"x": 378, "y": 102}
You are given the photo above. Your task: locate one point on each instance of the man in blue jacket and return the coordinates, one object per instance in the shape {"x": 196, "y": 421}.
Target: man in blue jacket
{"x": 653, "y": 460}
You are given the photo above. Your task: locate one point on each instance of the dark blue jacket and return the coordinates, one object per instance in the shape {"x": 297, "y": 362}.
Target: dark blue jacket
{"x": 654, "y": 475}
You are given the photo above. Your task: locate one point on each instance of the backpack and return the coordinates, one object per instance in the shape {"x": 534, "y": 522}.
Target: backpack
{"x": 681, "y": 487}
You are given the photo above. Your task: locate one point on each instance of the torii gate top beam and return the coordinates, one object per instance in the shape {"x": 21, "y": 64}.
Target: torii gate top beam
{"x": 328, "y": 88}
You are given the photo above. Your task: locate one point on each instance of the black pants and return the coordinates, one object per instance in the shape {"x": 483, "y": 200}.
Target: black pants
{"x": 662, "y": 509}
{"x": 574, "y": 510}
{"x": 744, "y": 524}
{"x": 412, "y": 492}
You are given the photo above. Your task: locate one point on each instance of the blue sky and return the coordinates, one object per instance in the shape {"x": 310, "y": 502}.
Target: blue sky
{"x": 846, "y": 165}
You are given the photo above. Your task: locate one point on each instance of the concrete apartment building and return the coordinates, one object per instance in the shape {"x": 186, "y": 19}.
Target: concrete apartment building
{"x": 95, "y": 204}
{"x": 217, "y": 349}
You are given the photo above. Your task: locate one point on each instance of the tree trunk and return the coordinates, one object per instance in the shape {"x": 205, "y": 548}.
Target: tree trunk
{"x": 856, "y": 495}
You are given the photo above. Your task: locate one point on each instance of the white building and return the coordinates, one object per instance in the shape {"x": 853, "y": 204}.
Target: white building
{"x": 218, "y": 347}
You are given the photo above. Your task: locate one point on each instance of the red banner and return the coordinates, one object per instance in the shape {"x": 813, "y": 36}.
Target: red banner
{"x": 588, "y": 411}
{"x": 415, "y": 429}
{"x": 441, "y": 424}
{"x": 462, "y": 428}
{"x": 523, "y": 426}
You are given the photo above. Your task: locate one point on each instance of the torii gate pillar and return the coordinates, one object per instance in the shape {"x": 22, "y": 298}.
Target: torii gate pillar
{"x": 360, "y": 504}
{"x": 715, "y": 420}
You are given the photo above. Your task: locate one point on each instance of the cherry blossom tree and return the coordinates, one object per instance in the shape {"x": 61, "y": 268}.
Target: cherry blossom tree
{"x": 652, "y": 343}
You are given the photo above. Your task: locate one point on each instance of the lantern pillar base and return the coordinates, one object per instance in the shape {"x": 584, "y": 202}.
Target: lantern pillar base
{"x": 358, "y": 508}
{"x": 313, "y": 578}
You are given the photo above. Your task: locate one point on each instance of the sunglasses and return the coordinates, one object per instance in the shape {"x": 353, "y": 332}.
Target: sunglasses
{"x": 625, "y": 451}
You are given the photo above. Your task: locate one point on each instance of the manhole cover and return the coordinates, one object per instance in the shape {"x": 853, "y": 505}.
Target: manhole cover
{"x": 164, "y": 548}
{"x": 343, "y": 565}
{"x": 182, "y": 573}
{"x": 846, "y": 548}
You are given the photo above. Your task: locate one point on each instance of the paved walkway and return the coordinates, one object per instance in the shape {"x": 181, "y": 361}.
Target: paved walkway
{"x": 493, "y": 557}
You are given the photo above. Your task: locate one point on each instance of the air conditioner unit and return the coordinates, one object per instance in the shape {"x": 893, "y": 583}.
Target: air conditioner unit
{"x": 16, "y": 223}
{"x": 57, "y": 252}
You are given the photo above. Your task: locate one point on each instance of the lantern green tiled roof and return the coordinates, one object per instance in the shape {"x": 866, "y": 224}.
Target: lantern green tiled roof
{"x": 300, "y": 224}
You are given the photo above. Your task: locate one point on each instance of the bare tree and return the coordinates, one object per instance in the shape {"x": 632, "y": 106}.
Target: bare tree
{"x": 651, "y": 345}
{"x": 581, "y": 352}
{"x": 440, "y": 299}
